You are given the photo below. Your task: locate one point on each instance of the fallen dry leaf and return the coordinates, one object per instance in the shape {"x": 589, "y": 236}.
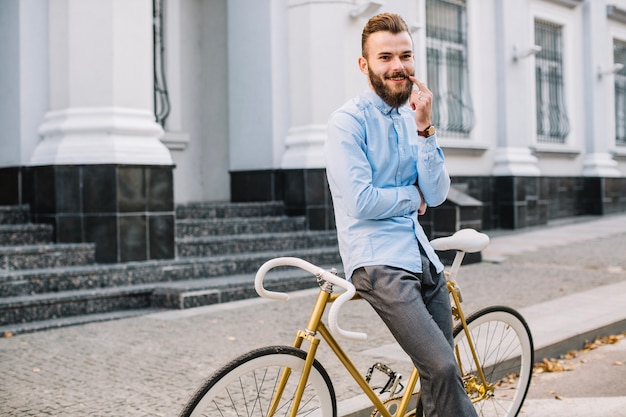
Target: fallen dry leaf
{"x": 606, "y": 340}
{"x": 556, "y": 365}
{"x": 570, "y": 355}
{"x": 551, "y": 365}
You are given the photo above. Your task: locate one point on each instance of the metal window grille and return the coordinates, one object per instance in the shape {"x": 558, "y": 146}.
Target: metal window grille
{"x": 552, "y": 121}
{"x": 619, "y": 57}
{"x": 446, "y": 55}
{"x": 161, "y": 95}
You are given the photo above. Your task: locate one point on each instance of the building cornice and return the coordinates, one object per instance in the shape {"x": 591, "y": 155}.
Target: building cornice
{"x": 567, "y": 3}
{"x": 615, "y": 13}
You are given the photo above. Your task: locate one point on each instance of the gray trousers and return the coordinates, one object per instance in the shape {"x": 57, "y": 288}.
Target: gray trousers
{"x": 416, "y": 309}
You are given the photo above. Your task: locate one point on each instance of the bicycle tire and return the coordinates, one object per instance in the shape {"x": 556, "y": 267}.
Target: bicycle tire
{"x": 505, "y": 351}
{"x": 245, "y": 386}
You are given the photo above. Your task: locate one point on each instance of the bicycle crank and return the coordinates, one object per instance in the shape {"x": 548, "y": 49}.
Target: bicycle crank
{"x": 392, "y": 404}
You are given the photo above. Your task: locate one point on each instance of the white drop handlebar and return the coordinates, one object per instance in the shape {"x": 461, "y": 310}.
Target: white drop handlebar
{"x": 465, "y": 240}
{"x": 333, "y": 313}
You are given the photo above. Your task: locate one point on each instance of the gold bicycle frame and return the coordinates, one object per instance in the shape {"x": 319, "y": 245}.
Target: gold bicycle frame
{"x": 315, "y": 326}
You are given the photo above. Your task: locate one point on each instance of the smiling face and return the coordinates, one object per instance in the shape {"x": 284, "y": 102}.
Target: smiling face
{"x": 388, "y": 61}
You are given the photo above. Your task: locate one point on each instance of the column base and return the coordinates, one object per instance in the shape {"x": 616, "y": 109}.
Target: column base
{"x": 600, "y": 165}
{"x": 305, "y": 147}
{"x": 100, "y": 135}
{"x": 519, "y": 162}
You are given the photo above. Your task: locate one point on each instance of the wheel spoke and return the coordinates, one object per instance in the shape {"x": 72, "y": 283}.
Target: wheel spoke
{"x": 247, "y": 386}
{"x": 503, "y": 345}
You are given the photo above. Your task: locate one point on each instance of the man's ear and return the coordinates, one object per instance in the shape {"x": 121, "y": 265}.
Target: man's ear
{"x": 363, "y": 65}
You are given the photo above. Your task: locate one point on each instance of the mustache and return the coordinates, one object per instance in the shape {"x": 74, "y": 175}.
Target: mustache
{"x": 398, "y": 74}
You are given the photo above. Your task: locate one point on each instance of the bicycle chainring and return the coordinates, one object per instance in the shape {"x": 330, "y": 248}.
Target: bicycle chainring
{"x": 392, "y": 404}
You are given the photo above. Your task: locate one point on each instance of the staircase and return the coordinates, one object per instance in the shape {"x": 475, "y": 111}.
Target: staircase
{"x": 219, "y": 245}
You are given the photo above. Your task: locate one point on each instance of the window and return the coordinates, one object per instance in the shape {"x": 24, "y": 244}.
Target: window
{"x": 619, "y": 57}
{"x": 446, "y": 54}
{"x": 552, "y": 121}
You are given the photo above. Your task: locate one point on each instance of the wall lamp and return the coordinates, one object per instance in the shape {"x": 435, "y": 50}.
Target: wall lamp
{"x": 533, "y": 50}
{"x": 609, "y": 71}
{"x": 367, "y": 8}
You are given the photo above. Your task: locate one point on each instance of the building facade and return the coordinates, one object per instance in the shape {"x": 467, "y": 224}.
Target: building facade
{"x": 114, "y": 111}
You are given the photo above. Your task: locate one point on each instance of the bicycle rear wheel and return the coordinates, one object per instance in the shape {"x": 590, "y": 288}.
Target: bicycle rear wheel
{"x": 245, "y": 387}
{"x": 504, "y": 347}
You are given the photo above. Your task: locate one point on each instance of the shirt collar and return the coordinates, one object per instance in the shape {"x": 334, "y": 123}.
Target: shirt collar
{"x": 378, "y": 102}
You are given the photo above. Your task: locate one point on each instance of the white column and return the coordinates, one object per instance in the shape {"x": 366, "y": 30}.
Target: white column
{"x": 599, "y": 93}
{"x": 101, "y": 102}
{"x": 324, "y": 44}
{"x": 516, "y": 115}
{"x": 23, "y": 77}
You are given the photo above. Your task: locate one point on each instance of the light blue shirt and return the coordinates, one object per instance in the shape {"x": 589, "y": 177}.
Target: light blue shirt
{"x": 373, "y": 159}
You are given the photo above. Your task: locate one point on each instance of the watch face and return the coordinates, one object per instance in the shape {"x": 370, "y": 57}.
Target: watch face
{"x": 430, "y": 130}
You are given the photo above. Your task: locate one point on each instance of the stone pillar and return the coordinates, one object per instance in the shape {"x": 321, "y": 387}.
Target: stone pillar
{"x": 324, "y": 41}
{"x": 514, "y": 74}
{"x": 23, "y": 89}
{"x": 599, "y": 93}
{"x": 100, "y": 173}
{"x": 515, "y": 167}
{"x": 324, "y": 45}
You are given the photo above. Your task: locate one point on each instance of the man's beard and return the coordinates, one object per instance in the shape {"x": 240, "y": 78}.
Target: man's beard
{"x": 396, "y": 98}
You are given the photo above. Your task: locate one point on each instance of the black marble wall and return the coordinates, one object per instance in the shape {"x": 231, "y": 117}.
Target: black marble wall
{"x": 507, "y": 202}
{"x": 304, "y": 192}
{"x": 127, "y": 211}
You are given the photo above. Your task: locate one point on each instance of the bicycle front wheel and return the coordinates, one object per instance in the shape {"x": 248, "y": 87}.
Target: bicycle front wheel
{"x": 504, "y": 348}
{"x": 246, "y": 386}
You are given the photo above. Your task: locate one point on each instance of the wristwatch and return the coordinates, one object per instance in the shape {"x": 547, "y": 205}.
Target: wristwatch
{"x": 429, "y": 131}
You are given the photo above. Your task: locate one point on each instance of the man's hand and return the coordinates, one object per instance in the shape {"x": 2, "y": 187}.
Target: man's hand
{"x": 422, "y": 209}
{"x": 421, "y": 101}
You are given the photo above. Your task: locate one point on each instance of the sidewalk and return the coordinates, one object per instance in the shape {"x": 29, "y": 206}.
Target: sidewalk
{"x": 568, "y": 280}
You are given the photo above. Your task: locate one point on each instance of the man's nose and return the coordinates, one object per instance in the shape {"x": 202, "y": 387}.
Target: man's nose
{"x": 397, "y": 64}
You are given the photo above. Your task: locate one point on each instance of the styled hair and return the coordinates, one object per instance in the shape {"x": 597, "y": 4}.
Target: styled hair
{"x": 384, "y": 22}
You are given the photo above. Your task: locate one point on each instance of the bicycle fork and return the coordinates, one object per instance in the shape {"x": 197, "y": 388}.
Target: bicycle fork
{"x": 484, "y": 388}
{"x": 301, "y": 335}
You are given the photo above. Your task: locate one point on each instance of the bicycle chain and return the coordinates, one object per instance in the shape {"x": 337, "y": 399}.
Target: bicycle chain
{"x": 394, "y": 401}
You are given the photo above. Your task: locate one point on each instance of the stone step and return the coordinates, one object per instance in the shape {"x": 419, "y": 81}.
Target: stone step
{"x": 25, "y": 234}
{"x": 197, "y": 293}
{"x": 218, "y": 245}
{"x": 40, "y": 281}
{"x": 212, "y": 210}
{"x": 52, "y": 306}
{"x": 14, "y": 214}
{"x": 46, "y": 255}
{"x": 186, "y": 228}
{"x": 63, "y": 305}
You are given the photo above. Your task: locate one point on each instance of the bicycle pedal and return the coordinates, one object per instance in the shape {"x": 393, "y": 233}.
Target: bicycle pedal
{"x": 393, "y": 382}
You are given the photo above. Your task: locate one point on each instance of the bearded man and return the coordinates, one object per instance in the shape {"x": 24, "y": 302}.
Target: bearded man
{"x": 384, "y": 168}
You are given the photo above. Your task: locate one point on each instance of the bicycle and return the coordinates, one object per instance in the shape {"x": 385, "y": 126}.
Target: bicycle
{"x": 493, "y": 347}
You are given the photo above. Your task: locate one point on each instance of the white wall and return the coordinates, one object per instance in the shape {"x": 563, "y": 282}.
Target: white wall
{"x": 24, "y": 80}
